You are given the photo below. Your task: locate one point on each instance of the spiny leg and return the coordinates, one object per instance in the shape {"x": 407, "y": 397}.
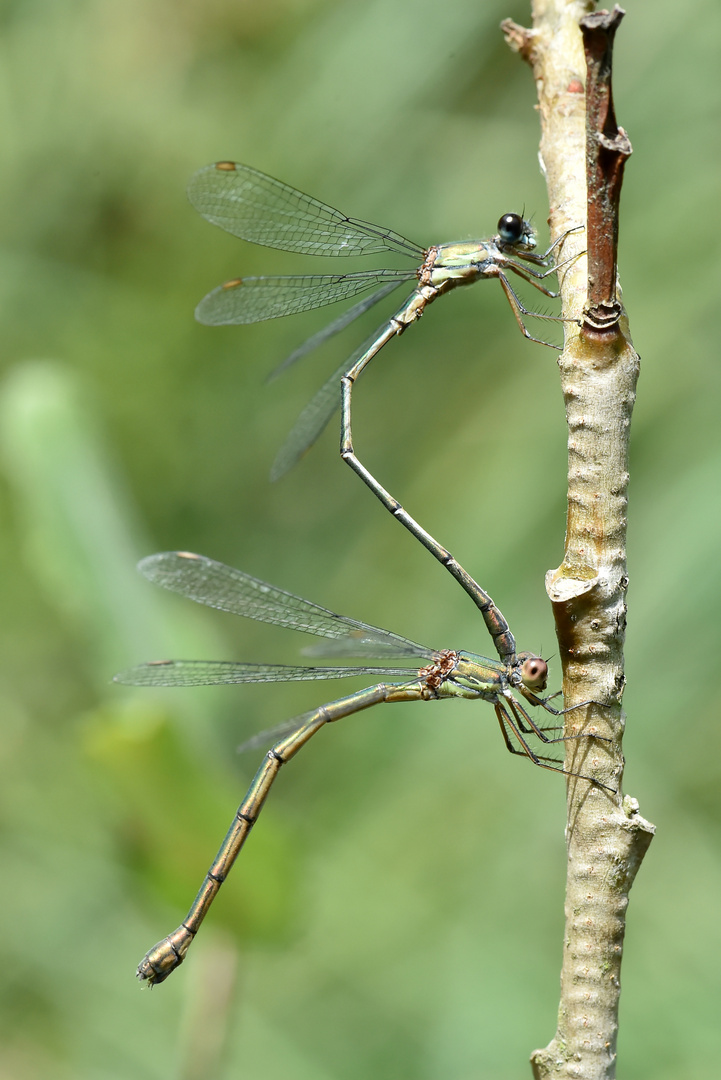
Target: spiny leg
{"x": 505, "y": 722}
{"x": 543, "y": 702}
{"x": 526, "y": 724}
{"x": 519, "y": 310}
{"x": 538, "y": 759}
{"x": 542, "y": 260}
{"x": 519, "y": 711}
{"x": 534, "y": 277}
{"x": 496, "y": 624}
{"x": 169, "y": 953}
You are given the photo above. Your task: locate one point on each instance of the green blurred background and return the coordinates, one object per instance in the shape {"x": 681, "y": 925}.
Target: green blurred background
{"x": 398, "y": 911}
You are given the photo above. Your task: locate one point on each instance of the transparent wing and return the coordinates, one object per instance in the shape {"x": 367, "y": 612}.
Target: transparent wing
{"x": 351, "y": 645}
{"x": 215, "y": 672}
{"x": 278, "y": 731}
{"x": 329, "y": 331}
{"x": 255, "y": 207}
{"x": 315, "y": 416}
{"x": 254, "y": 299}
{"x": 272, "y": 734}
{"x": 219, "y": 586}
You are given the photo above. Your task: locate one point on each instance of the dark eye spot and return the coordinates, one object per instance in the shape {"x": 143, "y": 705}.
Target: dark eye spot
{"x": 534, "y": 672}
{"x": 510, "y": 228}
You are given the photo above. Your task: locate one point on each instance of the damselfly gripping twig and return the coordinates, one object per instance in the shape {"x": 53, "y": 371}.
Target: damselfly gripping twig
{"x": 442, "y": 673}
{"x": 258, "y": 208}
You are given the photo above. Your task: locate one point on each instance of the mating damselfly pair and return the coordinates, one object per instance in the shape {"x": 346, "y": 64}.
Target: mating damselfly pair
{"x": 262, "y": 210}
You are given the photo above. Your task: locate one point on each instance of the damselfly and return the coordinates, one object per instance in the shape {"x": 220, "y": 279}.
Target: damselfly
{"x": 258, "y": 208}
{"x": 445, "y": 673}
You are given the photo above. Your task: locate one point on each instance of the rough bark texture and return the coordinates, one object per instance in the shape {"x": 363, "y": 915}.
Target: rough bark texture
{"x": 606, "y": 836}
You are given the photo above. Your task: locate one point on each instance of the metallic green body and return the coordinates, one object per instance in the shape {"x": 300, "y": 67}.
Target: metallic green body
{"x": 445, "y": 674}
{"x": 258, "y": 208}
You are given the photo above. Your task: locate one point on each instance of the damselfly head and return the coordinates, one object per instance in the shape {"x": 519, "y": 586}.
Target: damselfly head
{"x": 516, "y": 231}
{"x": 534, "y": 671}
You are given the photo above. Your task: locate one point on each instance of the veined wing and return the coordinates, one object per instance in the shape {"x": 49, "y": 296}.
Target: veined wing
{"x": 219, "y": 586}
{"x": 356, "y": 646}
{"x": 255, "y": 207}
{"x": 272, "y": 734}
{"x": 329, "y": 331}
{"x": 254, "y": 299}
{"x": 315, "y": 416}
{"x": 286, "y": 727}
{"x": 215, "y": 672}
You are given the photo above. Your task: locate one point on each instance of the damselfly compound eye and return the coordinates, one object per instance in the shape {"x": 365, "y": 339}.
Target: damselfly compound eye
{"x": 534, "y": 672}
{"x": 510, "y": 228}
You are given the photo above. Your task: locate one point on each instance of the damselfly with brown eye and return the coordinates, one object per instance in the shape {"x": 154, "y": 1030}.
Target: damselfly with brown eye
{"x": 441, "y": 673}
{"x": 258, "y": 208}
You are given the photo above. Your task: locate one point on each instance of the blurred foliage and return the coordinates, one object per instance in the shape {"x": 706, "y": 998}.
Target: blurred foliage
{"x": 398, "y": 911}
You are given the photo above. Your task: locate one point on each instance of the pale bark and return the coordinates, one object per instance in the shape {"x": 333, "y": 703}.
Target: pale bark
{"x": 606, "y": 836}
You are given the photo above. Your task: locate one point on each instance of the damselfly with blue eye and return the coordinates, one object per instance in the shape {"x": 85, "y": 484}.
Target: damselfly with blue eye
{"x": 258, "y": 208}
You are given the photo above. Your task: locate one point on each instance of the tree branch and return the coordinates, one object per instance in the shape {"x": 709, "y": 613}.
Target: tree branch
{"x": 582, "y": 155}
{"x": 607, "y": 149}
